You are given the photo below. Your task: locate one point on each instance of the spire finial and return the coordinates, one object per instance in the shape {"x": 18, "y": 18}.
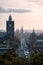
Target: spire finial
{"x": 33, "y": 32}
{"x": 10, "y": 17}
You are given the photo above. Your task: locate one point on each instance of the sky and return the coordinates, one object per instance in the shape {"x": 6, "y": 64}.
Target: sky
{"x": 31, "y": 19}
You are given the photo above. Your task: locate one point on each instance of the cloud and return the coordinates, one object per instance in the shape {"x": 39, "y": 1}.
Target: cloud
{"x": 39, "y": 2}
{"x": 19, "y": 10}
{"x": 3, "y": 10}
{"x": 36, "y": 3}
{"x": 33, "y": 0}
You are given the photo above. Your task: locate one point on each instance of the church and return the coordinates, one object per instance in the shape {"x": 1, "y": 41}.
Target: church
{"x": 36, "y": 42}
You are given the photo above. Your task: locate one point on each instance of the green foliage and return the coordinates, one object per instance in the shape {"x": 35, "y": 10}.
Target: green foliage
{"x": 10, "y": 55}
{"x": 7, "y": 63}
{"x": 20, "y": 61}
{"x": 1, "y": 61}
{"x": 11, "y": 58}
{"x": 36, "y": 59}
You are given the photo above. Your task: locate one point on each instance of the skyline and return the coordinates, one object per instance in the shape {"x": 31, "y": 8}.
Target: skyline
{"x": 29, "y": 20}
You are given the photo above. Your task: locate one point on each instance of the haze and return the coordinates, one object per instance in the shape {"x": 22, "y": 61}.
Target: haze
{"x": 29, "y": 20}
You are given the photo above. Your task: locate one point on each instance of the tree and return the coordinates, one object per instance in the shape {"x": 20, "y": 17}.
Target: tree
{"x": 10, "y": 55}
{"x": 36, "y": 59}
{"x": 7, "y": 63}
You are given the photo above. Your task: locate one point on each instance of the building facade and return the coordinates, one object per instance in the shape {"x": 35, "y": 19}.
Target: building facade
{"x": 36, "y": 42}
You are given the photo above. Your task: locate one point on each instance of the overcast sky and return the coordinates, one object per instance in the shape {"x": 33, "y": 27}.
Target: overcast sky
{"x": 20, "y": 3}
{"x": 32, "y": 19}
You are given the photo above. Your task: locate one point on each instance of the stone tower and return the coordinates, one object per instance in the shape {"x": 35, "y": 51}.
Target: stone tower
{"x": 10, "y": 30}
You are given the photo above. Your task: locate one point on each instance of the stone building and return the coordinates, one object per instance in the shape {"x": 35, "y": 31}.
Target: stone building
{"x": 36, "y": 42}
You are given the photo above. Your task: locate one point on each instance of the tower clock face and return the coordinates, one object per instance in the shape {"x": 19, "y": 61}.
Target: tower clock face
{"x": 10, "y": 25}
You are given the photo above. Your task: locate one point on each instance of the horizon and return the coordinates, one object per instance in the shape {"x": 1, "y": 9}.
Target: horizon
{"x": 27, "y": 31}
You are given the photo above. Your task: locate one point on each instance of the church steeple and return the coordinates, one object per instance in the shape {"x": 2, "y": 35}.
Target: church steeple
{"x": 33, "y": 32}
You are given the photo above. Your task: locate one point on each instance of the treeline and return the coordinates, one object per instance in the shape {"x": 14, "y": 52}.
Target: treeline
{"x": 11, "y": 58}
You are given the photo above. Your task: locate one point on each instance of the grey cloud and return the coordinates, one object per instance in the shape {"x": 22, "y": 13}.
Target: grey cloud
{"x": 3, "y": 10}
{"x": 33, "y": 0}
{"x": 36, "y": 2}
